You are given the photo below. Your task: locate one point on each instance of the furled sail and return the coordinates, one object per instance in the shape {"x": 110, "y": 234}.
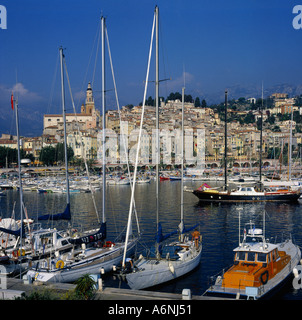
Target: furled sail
{"x": 16, "y": 233}
{"x": 98, "y": 236}
{"x": 66, "y": 215}
{"x": 160, "y": 237}
{"x": 183, "y": 230}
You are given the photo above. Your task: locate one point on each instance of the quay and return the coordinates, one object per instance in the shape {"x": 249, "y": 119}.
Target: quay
{"x": 15, "y": 287}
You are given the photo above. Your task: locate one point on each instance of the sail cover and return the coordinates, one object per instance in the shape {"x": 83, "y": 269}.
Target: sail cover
{"x": 66, "y": 215}
{"x": 97, "y": 236}
{"x": 184, "y": 230}
{"x": 160, "y": 237}
{"x": 16, "y": 233}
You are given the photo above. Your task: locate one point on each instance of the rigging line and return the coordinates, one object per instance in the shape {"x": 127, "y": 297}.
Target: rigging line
{"x": 80, "y": 135}
{"x": 139, "y": 142}
{"x": 89, "y": 61}
{"x": 164, "y": 58}
{"x": 96, "y": 55}
{"x": 53, "y": 84}
{"x": 121, "y": 126}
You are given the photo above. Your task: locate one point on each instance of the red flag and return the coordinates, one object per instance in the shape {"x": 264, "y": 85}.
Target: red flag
{"x": 12, "y": 100}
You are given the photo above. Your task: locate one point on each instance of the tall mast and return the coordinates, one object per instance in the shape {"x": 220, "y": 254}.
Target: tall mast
{"x": 64, "y": 121}
{"x": 104, "y": 116}
{"x": 20, "y": 180}
{"x": 260, "y": 160}
{"x": 290, "y": 147}
{"x": 157, "y": 115}
{"x": 182, "y": 167}
{"x": 225, "y": 141}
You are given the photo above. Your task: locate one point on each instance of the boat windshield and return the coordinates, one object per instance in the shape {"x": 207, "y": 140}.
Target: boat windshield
{"x": 250, "y": 256}
{"x": 240, "y": 256}
{"x": 261, "y": 257}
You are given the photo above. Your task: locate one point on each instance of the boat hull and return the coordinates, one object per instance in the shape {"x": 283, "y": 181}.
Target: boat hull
{"x": 71, "y": 273}
{"x": 152, "y": 272}
{"x": 236, "y": 197}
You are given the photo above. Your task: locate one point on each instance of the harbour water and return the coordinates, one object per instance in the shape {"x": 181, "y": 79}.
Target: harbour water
{"x": 218, "y": 224}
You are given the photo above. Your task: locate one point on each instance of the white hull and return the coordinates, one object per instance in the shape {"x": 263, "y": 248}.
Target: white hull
{"x": 93, "y": 265}
{"x": 152, "y": 272}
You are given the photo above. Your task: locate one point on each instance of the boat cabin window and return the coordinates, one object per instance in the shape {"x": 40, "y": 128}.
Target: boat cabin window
{"x": 251, "y": 256}
{"x": 261, "y": 257}
{"x": 240, "y": 256}
{"x": 275, "y": 254}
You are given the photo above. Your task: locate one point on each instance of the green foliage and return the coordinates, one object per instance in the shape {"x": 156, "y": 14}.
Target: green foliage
{"x": 50, "y": 155}
{"x": 45, "y": 294}
{"x": 11, "y": 155}
{"x": 85, "y": 288}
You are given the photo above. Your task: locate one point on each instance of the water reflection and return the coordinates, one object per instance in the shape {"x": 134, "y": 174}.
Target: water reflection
{"x": 218, "y": 223}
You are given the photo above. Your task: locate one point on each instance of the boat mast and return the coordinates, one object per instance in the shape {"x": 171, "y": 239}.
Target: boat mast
{"x": 182, "y": 169}
{"x": 20, "y": 180}
{"x": 104, "y": 116}
{"x": 225, "y": 141}
{"x": 260, "y": 164}
{"x": 290, "y": 148}
{"x": 64, "y": 121}
{"x": 157, "y": 117}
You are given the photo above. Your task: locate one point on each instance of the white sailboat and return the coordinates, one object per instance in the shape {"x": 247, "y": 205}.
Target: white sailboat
{"x": 170, "y": 261}
{"x": 103, "y": 256}
{"x": 24, "y": 244}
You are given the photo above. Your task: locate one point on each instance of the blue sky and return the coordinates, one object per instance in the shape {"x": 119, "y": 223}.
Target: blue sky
{"x": 218, "y": 43}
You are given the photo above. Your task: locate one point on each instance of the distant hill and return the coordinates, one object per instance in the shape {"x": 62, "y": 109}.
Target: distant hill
{"x": 31, "y": 119}
{"x": 237, "y": 91}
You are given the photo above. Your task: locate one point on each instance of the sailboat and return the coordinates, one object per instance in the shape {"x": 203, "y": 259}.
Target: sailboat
{"x": 165, "y": 262}
{"x": 22, "y": 244}
{"x": 259, "y": 267}
{"x": 96, "y": 254}
{"x": 244, "y": 193}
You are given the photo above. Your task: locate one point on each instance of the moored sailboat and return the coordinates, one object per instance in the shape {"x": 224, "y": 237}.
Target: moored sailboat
{"x": 244, "y": 193}
{"x": 92, "y": 252}
{"x": 166, "y": 261}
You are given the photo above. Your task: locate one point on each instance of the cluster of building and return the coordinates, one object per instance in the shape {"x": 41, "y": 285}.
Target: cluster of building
{"x": 83, "y": 130}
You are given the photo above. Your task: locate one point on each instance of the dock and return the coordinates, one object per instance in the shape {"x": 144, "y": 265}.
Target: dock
{"x": 15, "y": 288}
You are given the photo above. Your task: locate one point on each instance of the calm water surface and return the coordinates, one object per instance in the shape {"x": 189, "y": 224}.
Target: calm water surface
{"x": 218, "y": 223}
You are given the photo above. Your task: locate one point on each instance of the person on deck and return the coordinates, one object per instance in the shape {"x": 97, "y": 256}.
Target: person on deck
{"x": 195, "y": 237}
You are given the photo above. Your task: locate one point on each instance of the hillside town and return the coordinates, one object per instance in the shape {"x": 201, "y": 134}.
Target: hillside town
{"x": 243, "y": 130}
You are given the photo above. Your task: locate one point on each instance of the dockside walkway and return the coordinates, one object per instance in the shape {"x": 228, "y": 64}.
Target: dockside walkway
{"x": 15, "y": 287}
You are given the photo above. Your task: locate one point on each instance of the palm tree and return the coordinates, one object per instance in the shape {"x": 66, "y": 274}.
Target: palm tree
{"x": 85, "y": 287}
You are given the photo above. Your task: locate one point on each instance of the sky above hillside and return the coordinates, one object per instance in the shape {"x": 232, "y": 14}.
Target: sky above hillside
{"x": 218, "y": 44}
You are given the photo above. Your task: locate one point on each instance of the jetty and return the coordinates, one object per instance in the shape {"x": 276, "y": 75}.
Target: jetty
{"x": 16, "y": 287}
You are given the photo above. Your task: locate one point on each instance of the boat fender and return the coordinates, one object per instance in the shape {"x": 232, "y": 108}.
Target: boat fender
{"x": 295, "y": 272}
{"x": 60, "y": 264}
{"x": 171, "y": 267}
{"x": 264, "y": 274}
{"x": 22, "y": 252}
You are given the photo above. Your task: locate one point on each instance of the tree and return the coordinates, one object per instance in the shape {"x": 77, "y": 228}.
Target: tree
{"x": 270, "y": 119}
{"x": 85, "y": 287}
{"x": 197, "y": 103}
{"x": 249, "y": 118}
{"x": 47, "y": 155}
{"x": 50, "y": 155}
{"x": 60, "y": 153}
{"x": 203, "y": 103}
